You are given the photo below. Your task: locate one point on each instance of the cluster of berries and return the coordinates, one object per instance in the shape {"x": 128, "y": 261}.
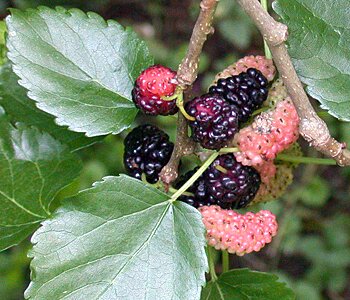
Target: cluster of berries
{"x": 237, "y": 233}
{"x": 229, "y": 103}
{"x": 232, "y": 181}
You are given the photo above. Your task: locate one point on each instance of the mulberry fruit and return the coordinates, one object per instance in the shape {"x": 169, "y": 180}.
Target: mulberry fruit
{"x": 261, "y": 63}
{"x": 267, "y": 170}
{"x": 275, "y": 178}
{"x": 237, "y": 233}
{"x": 270, "y": 133}
{"x": 276, "y": 186}
{"x": 231, "y": 184}
{"x": 248, "y": 91}
{"x": 226, "y": 183}
{"x": 152, "y": 84}
{"x": 196, "y": 194}
{"x": 277, "y": 93}
{"x": 147, "y": 151}
{"x": 216, "y": 121}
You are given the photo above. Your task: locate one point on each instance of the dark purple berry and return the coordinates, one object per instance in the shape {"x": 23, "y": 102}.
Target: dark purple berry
{"x": 216, "y": 121}
{"x": 147, "y": 150}
{"x": 196, "y": 194}
{"x": 248, "y": 91}
{"x": 231, "y": 185}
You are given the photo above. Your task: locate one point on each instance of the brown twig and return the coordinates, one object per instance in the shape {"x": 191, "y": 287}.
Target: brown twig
{"x": 312, "y": 128}
{"x": 186, "y": 75}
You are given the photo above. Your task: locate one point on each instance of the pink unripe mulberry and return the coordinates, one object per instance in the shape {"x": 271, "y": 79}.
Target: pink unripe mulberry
{"x": 261, "y": 63}
{"x": 237, "y": 233}
{"x": 270, "y": 133}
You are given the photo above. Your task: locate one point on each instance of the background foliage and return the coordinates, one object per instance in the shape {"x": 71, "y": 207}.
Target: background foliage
{"x": 312, "y": 250}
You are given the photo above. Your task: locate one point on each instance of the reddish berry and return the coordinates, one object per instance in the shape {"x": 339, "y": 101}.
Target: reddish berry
{"x": 237, "y": 233}
{"x": 152, "y": 84}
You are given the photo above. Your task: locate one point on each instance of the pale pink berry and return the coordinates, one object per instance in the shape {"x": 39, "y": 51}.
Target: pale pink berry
{"x": 285, "y": 124}
{"x": 270, "y": 133}
{"x": 261, "y": 63}
{"x": 238, "y": 233}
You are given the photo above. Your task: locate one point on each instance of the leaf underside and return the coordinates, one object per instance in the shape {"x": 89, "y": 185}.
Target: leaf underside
{"x": 33, "y": 168}
{"x": 14, "y": 99}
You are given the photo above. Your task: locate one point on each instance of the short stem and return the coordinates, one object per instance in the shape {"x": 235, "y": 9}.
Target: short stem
{"x": 225, "y": 261}
{"x": 306, "y": 160}
{"x": 195, "y": 176}
{"x": 180, "y": 105}
{"x": 260, "y": 110}
{"x": 264, "y": 4}
{"x": 173, "y": 190}
{"x": 221, "y": 169}
{"x": 186, "y": 115}
{"x": 210, "y": 252}
{"x": 229, "y": 150}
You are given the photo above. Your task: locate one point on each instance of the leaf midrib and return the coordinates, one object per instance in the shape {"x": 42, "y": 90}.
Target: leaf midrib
{"x": 11, "y": 198}
{"x": 103, "y": 224}
{"x": 139, "y": 249}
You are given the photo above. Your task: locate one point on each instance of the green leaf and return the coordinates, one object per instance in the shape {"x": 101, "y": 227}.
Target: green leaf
{"x": 13, "y": 98}
{"x": 245, "y": 284}
{"x": 33, "y": 168}
{"x": 78, "y": 67}
{"x": 91, "y": 4}
{"x": 319, "y": 43}
{"x": 121, "y": 239}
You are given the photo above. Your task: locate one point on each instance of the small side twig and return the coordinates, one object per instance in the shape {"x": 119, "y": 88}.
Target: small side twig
{"x": 186, "y": 75}
{"x": 312, "y": 128}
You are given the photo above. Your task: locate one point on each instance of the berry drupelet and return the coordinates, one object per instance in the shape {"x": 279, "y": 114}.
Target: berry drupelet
{"x": 231, "y": 184}
{"x": 226, "y": 183}
{"x": 152, "y": 84}
{"x": 248, "y": 91}
{"x": 216, "y": 120}
{"x": 147, "y": 151}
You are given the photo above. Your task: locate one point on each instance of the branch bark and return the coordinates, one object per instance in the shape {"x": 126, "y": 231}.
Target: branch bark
{"x": 186, "y": 75}
{"x": 312, "y": 128}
